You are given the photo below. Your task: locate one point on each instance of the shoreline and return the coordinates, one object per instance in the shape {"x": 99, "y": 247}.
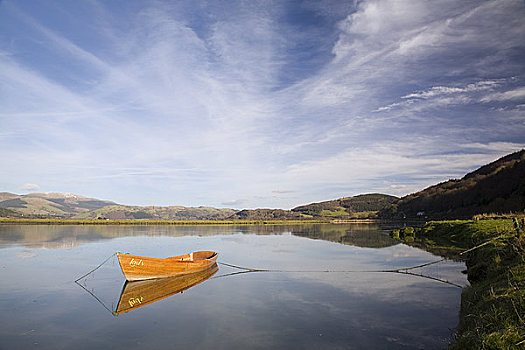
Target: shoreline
{"x": 48, "y": 221}
{"x": 165, "y": 222}
{"x": 494, "y": 253}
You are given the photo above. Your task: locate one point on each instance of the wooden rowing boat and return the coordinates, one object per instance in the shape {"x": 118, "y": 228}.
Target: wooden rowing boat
{"x": 139, "y": 293}
{"x": 137, "y": 268}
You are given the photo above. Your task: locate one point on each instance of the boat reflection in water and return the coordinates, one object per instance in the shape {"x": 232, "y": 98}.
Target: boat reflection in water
{"x": 139, "y": 293}
{"x": 136, "y": 294}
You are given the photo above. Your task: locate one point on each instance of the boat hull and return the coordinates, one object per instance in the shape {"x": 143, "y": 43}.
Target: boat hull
{"x": 136, "y": 268}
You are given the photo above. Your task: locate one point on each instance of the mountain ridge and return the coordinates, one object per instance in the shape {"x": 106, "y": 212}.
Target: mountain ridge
{"x": 57, "y": 205}
{"x": 49, "y": 204}
{"x": 497, "y": 187}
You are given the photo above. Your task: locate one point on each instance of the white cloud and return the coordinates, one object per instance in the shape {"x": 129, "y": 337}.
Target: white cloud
{"x": 482, "y": 91}
{"x": 364, "y": 169}
{"x": 373, "y": 50}
{"x": 30, "y": 187}
{"x": 191, "y": 107}
{"x": 494, "y": 147}
{"x": 515, "y": 94}
{"x": 448, "y": 90}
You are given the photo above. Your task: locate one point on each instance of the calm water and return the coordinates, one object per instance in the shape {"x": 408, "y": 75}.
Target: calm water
{"x": 43, "y": 308}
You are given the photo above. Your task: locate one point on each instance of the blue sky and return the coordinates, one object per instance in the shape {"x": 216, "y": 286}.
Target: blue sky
{"x": 248, "y": 104}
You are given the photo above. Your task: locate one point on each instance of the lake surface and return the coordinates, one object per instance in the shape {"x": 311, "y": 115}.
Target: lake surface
{"x": 42, "y": 307}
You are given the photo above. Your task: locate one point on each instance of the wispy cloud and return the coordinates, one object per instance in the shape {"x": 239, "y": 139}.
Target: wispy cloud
{"x": 515, "y": 94}
{"x": 447, "y": 95}
{"x": 373, "y": 169}
{"x": 276, "y": 104}
{"x": 447, "y": 90}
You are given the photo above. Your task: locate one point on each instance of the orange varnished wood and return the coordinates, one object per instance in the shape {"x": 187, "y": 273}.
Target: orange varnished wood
{"x": 137, "y": 268}
{"x": 139, "y": 293}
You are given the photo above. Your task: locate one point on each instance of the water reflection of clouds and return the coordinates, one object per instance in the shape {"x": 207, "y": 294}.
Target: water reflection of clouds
{"x": 387, "y": 287}
{"x": 270, "y": 310}
{"x": 369, "y": 307}
{"x": 235, "y": 238}
{"x": 365, "y": 260}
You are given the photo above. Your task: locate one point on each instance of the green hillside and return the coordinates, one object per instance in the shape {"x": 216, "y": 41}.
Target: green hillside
{"x": 498, "y": 187}
{"x": 265, "y": 214}
{"x": 361, "y": 206}
{"x": 7, "y": 213}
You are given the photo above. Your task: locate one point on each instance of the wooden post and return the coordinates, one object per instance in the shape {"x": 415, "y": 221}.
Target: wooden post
{"x": 516, "y": 226}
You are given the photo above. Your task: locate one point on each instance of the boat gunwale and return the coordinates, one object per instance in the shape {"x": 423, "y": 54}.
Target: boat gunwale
{"x": 211, "y": 258}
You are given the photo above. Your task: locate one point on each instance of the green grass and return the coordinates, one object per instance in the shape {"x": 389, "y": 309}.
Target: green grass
{"x": 455, "y": 234}
{"x": 493, "y": 307}
{"x": 492, "y": 312}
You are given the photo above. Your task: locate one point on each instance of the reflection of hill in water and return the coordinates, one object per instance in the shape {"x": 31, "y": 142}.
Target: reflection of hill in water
{"x": 48, "y": 236}
{"x": 67, "y": 236}
{"x": 361, "y": 235}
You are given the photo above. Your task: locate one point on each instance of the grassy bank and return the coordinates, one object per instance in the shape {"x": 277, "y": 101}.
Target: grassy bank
{"x": 158, "y": 222}
{"x": 492, "y": 312}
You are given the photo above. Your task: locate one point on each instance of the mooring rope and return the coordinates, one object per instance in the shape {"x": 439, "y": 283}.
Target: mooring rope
{"x": 245, "y": 270}
{"x": 96, "y": 268}
{"x": 403, "y": 271}
{"x": 250, "y": 269}
{"x": 415, "y": 267}
{"x": 485, "y": 243}
{"x": 400, "y": 270}
{"x": 96, "y": 298}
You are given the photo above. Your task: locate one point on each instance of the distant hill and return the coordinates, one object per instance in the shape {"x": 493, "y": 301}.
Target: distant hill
{"x": 265, "y": 214}
{"x": 6, "y": 213}
{"x": 56, "y": 205}
{"x": 124, "y": 212}
{"x": 498, "y": 187}
{"x": 361, "y": 206}
{"x": 48, "y": 205}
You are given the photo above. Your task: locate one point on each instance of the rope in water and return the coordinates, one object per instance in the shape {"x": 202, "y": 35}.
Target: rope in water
{"x": 96, "y": 268}
{"x": 96, "y": 298}
{"x": 400, "y": 270}
{"x": 249, "y": 269}
{"x": 245, "y": 270}
{"x": 403, "y": 271}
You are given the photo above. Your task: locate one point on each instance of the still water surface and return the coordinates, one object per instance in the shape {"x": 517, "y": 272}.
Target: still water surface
{"x": 43, "y": 308}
